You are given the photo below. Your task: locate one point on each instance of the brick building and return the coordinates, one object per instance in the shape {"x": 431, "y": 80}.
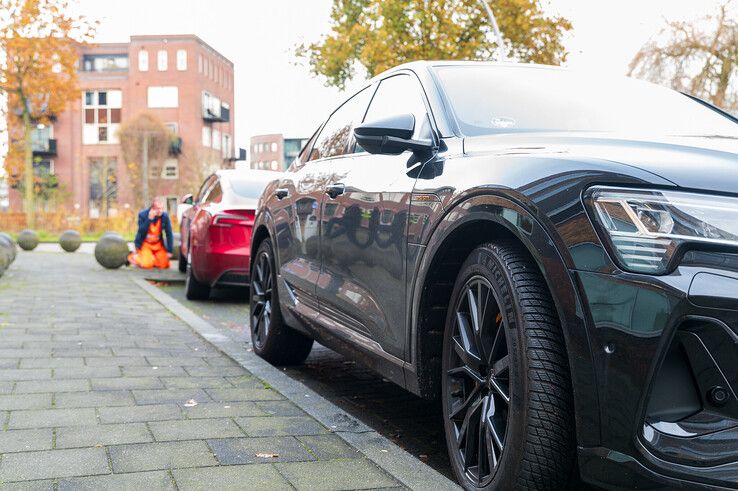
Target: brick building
{"x": 274, "y": 151}
{"x": 180, "y": 80}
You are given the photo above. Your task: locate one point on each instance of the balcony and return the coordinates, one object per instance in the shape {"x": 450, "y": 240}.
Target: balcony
{"x": 214, "y": 110}
{"x": 44, "y": 147}
{"x": 175, "y": 146}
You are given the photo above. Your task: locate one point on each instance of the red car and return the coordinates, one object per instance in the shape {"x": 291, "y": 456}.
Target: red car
{"x": 216, "y": 230}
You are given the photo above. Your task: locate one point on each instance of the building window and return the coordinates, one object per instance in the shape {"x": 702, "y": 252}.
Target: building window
{"x": 103, "y": 186}
{"x": 102, "y": 116}
{"x": 172, "y": 127}
{"x": 216, "y": 139}
{"x": 199, "y": 63}
{"x": 274, "y": 146}
{"x": 170, "y": 170}
{"x": 226, "y": 146}
{"x": 143, "y": 61}
{"x": 161, "y": 60}
{"x": 105, "y": 63}
{"x": 181, "y": 60}
{"x": 275, "y": 165}
{"x": 163, "y": 97}
{"x": 206, "y": 136}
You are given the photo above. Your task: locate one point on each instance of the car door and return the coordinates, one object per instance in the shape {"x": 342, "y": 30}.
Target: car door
{"x": 199, "y": 228}
{"x": 365, "y": 218}
{"x": 296, "y": 206}
{"x": 187, "y": 216}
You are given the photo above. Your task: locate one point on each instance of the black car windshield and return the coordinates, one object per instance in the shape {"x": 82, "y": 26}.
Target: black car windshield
{"x": 249, "y": 188}
{"x": 488, "y": 99}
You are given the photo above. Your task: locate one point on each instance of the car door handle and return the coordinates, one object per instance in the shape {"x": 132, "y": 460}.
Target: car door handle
{"x": 281, "y": 193}
{"x": 333, "y": 190}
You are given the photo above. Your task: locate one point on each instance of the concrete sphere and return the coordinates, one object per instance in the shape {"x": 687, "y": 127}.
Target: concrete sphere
{"x": 7, "y": 242}
{"x": 111, "y": 251}
{"x": 28, "y": 240}
{"x": 70, "y": 240}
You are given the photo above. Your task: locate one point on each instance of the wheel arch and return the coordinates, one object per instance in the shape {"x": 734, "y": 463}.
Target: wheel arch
{"x": 472, "y": 222}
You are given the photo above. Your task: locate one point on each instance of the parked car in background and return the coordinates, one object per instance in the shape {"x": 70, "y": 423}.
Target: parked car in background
{"x": 554, "y": 255}
{"x": 216, "y": 230}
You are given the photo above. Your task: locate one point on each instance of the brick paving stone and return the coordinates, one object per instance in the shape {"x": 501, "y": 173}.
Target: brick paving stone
{"x": 126, "y": 383}
{"x": 51, "y": 464}
{"x": 170, "y": 361}
{"x": 161, "y": 455}
{"x": 280, "y": 425}
{"x": 51, "y": 362}
{"x": 26, "y": 440}
{"x": 134, "y": 481}
{"x": 236, "y": 394}
{"x": 94, "y": 399}
{"x": 25, "y": 401}
{"x": 194, "y": 429}
{"x": 336, "y": 475}
{"x": 327, "y": 447}
{"x": 25, "y": 374}
{"x": 244, "y": 450}
{"x": 215, "y": 371}
{"x": 116, "y": 361}
{"x": 165, "y": 396}
{"x": 280, "y": 408}
{"x": 49, "y": 418}
{"x": 9, "y": 363}
{"x": 38, "y": 386}
{"x": 154, "y": 371}
{"x": 6, "y": 387}
{"x": 86, "y": 372}
{"x": 262, "y": 477}
{"x": 196, "y": 382}
{"x": 104, "y": 434}
{"x": 223, "y": 410}
{"x": 47, "y": 485}
{"x": 134, "y": 414}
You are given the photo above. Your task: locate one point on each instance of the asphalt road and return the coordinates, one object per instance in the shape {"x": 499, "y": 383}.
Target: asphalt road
{"x": 413, "y": 423}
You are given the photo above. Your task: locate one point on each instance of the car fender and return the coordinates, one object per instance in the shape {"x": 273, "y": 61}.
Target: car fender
{"x": 483, "y": 205}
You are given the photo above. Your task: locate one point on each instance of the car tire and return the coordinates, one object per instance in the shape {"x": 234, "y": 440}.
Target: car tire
{"x": 182, "y": 263}
{"x": 194, "y": 290}
{"x": 271, "y": 338}
{"x": 506, "y": 387}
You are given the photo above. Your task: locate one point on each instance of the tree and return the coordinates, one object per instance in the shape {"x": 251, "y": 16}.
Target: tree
{"x": 38, "y": 74}
{"x": 144, "y": 130}
{"x": 698, "y": 57}
{"x": 379, "y": 34}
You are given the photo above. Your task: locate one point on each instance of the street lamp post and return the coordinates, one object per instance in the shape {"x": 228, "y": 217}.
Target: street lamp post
{"x": 501, "y": 53}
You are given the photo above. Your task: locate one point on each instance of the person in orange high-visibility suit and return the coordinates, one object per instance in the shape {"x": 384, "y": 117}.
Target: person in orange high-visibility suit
{"x": 151, "y": 249}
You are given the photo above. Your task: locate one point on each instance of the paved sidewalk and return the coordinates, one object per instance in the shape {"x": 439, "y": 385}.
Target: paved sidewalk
{"x": 97, "y": 382}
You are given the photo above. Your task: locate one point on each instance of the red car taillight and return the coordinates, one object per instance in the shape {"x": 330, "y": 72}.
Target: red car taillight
{"x": 233, "y": 218}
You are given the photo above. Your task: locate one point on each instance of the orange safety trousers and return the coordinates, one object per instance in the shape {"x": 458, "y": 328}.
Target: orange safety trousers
{"x": 152, "y": 253}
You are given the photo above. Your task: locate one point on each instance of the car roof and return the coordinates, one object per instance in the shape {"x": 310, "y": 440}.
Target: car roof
{"x": 427, "y": 64}
{"x": 247, "y": 174}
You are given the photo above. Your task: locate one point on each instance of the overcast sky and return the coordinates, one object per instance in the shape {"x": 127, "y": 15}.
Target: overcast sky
{"x": 276, "y": 94}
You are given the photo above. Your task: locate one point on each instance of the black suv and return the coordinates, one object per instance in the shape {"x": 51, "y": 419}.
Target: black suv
{"x": 554, "y": 255}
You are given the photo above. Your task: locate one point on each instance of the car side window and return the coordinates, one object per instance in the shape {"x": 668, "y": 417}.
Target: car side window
{"x": 216, "y": 193}
{"x": 335, "y": 135}
{"x": 204, "y": 189}
{"x": 401, "y": 94}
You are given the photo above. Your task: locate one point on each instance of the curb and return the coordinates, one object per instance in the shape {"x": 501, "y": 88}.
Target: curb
{"x": 387, "y": 455}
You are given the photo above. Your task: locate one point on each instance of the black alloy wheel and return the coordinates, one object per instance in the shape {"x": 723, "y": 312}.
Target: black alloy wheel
{"x": 271, "y": 338}
{"x": 479, "y": 381}
{"x": 506, "y": 387}
{"x": 261, "y": 300}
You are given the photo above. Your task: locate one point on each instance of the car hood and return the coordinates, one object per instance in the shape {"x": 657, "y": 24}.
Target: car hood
{"x": 696, "y": 162}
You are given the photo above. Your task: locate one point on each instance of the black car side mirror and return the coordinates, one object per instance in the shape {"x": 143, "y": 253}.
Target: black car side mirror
{"x": 391, "y": 136}
{"x": 187, "y": 199}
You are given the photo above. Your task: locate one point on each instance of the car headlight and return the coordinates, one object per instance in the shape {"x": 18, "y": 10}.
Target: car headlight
{"x": 646, "y": 228}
